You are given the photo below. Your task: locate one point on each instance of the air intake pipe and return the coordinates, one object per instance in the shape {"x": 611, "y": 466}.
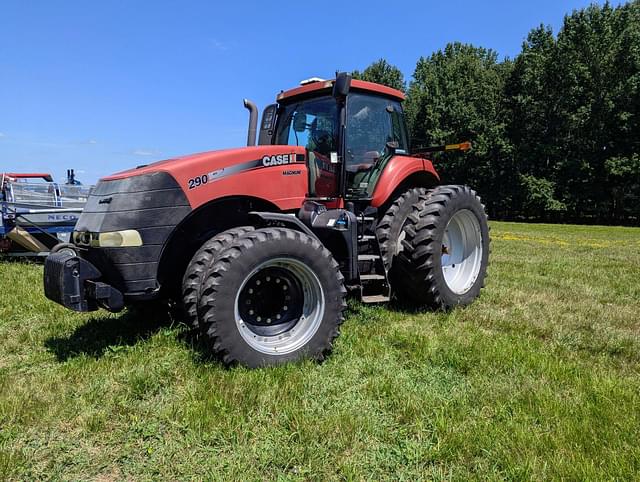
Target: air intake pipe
{"x": 253, "y": 122}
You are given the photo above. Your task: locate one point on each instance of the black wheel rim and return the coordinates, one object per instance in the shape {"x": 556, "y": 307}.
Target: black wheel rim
{"x": 271, "y": 301}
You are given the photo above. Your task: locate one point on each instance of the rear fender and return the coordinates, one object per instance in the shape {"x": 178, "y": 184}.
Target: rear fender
{"x": 403, "y": 171}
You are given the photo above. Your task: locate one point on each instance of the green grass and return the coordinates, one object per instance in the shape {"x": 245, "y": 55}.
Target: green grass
{"x": 537, "y": 379}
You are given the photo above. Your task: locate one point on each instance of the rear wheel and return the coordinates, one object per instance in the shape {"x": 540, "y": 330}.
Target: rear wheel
{"x": 274, "y": 295}
{"x": 197, "y": 269}
{"x": 445, "y": 249}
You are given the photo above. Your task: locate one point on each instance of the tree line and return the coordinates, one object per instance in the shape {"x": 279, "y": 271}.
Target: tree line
{"x": 555, "y": 131}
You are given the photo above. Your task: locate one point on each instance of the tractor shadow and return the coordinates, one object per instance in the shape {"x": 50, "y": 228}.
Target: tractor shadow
{"x": 103, "y": 335}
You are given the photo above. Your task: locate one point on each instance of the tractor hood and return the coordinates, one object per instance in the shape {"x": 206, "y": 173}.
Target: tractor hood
{"x": 255, "y": 171}
{"x": 214, "y": 161}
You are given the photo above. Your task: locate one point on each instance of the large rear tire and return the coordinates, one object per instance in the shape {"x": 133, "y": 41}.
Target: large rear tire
{"x": 275, "y": 295}
{"x": 197, "y": 269}
{"x": 445, "y": 249}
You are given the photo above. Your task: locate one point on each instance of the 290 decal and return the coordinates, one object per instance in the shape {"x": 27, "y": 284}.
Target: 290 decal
{"x": 198, "y": 181}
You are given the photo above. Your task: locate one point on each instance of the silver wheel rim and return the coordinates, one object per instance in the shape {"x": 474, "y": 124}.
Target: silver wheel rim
{"x": 67, "y": 251}
{"x": 462, "y": 251}
{"x": 303, "y": 328}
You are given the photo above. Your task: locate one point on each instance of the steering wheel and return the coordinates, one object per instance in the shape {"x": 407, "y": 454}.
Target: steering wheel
{"x": 322, "y": 140}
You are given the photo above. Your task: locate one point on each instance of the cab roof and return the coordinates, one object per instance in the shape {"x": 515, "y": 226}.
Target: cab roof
{"x": 361, "y": 85}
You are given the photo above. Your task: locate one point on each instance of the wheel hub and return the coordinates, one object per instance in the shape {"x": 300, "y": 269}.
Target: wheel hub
{"x": 271, "y": 301}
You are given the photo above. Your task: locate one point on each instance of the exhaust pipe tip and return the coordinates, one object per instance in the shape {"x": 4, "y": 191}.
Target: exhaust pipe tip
{"x": 253, "y": 121}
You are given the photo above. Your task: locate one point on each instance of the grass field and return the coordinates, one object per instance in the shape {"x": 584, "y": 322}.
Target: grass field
{"x": 540, "y": 378}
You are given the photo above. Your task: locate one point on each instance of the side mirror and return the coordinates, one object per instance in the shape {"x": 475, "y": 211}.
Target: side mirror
{"x": 392, "y": 146}
{"x": 342, "y": 85}
{"x": 299, "y": 121}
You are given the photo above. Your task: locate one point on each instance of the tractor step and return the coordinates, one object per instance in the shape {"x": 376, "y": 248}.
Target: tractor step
{"x": 374, "y": 287}
{"x": 375, "y": 299}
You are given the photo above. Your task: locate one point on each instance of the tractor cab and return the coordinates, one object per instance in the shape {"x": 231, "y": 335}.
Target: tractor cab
{"x": 349, "y": 128}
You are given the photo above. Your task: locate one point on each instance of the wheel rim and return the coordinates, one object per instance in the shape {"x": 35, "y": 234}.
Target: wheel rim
{"x": 462, "y": 251}
{"x": 67, "y": 251}
{"x": 279, "y": 306}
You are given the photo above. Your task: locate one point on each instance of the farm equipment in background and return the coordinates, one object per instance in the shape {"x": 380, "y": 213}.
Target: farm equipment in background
{"x": 37, "y": 213}
{"x": 261, "y": 244}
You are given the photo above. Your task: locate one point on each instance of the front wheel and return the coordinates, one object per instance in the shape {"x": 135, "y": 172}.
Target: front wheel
{"x": 66, "y": 248}
{"x": 445, "y": 249}
{"x": 274, "y": 295}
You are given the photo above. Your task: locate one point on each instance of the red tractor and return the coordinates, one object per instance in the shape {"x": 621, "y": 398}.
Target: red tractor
{"x": 261, "y": 244}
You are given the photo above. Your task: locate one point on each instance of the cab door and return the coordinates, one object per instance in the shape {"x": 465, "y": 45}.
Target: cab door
{"x": 312, "y": 123}
{"x": 374, "y": 124}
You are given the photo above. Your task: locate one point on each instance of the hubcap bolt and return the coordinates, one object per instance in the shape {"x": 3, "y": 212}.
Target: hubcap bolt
{"x": 268, "y": 320}
{"x": 277, "y": 280}
{"x": 268, "y": 278}
{"x": 259, "y": 318}
{"x": 285, "y": 308}
{"x": 251, "y": 312}
{"x": 250, "y": 291}
{"x": 248, "y": 302}
{"x": 258, "y": 282}
{"x": 284, "y": 287}
{"x": 277, "y": 317}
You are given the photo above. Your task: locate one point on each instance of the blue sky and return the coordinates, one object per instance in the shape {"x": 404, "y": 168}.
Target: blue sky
{"x": 103, "y": 86}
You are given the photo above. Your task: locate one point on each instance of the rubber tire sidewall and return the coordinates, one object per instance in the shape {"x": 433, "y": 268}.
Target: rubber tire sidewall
{"x": 396, "y": 217}
{"x": 225, "y": 279}
{"x": 196, "y": 271}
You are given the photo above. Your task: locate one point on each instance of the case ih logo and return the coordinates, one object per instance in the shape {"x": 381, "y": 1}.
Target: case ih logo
{"x": 278, "y": 160}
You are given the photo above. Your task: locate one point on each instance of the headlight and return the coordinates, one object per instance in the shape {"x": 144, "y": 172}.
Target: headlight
{"x": 114, "y": 239}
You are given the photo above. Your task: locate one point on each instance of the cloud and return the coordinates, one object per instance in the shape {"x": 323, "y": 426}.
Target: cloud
{"x": 218, "y": 45}
{"x": 2, "y": 134}
{"x": 92, "y": 141}
{"x": 145, "y": 152}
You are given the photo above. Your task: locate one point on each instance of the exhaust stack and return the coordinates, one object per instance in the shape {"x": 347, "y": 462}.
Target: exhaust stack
{"x": 253, "y": 122}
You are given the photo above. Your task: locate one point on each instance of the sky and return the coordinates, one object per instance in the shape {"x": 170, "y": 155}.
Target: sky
{"x": 104, "y": 86}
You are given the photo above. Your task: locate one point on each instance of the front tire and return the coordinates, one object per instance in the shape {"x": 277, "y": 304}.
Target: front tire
{"x": 445, "y": 249}
{"x": 275, "y": 295}
{"x": 197, "y": 269}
